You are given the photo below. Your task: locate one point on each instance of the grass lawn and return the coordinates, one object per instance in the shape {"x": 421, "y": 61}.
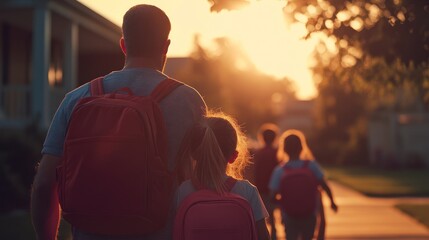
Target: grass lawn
{"x": 17, "y": 226}
{"x": 381, "y": 183}
{"x": 418, "y": 211}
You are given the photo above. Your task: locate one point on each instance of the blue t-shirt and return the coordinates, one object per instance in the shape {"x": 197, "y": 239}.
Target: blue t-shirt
{"x": 274, "y": 184}
{"x": 181, "y": 109}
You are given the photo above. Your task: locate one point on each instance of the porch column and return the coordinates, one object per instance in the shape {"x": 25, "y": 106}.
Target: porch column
{"x": 40, "y": 61}
{"x": 71, "y": 48}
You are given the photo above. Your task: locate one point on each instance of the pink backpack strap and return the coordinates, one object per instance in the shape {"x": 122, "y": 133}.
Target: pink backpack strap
{"x": 164, "y": 88}
{"x": 96, "y": 86}
{"x": 306, "y": 163}
{"x": 229, "y": 184}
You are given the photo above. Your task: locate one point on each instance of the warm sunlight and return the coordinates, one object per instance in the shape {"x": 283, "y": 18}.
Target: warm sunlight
{"x": 259, "y": 28}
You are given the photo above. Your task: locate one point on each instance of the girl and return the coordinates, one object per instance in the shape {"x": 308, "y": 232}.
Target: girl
{"x": 294, "y": 152}
{"x": 217, "y": 149}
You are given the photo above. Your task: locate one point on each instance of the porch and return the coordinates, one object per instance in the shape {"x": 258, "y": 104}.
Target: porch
{"x": 47, "y": 48}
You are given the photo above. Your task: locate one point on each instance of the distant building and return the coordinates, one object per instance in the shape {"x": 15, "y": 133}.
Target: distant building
{"x": 175, "y": 65}
{"x": 398, "y": 140}
{"x": 298, "y": 114}
{"x": 48, "y": 47}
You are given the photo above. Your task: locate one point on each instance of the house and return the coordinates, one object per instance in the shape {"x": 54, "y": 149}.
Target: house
{"x": 175, "y": 65}
{"x": 47, "y": 48}
{"x": 298, "y": 114}
{"x": 399, "y": 139}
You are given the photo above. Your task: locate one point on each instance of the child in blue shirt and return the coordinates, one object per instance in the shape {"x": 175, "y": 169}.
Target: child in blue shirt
{"x": 294, "y": 152}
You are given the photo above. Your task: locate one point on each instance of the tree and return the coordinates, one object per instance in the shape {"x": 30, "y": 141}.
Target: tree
{"x": 381, "y": 28}
{"x": 395, "y": 32}
{"x": 219, "y": 5}
{"x": 380, "y": 61}
{"x": 385, "y": 42}
{"x": 349, "y": 95}
{"x": 341, "y": 111}
{"x": 229, "y": 81}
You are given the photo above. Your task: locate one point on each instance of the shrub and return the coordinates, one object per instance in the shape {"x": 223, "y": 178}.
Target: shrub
{"x": 19, "y": 152}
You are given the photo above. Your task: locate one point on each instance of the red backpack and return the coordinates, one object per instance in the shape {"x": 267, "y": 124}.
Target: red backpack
{"x": 299, "y": 191}
{"x": 114, "y": 178}
{"x": 208, "y": 215}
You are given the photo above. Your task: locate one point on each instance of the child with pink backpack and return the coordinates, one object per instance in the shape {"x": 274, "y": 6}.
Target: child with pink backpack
{"x": 216, "y": 203}
{"x": 297, "y": 181}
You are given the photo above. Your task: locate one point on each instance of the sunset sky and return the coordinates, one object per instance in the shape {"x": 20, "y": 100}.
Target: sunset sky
{"x": 275, "y": 47}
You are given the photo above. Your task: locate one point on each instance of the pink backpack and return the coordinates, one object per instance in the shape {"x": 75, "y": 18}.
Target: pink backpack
{"x": 114, "y": 178}
{"x": 299, "y": 191}
{"x": 208, "y": 215}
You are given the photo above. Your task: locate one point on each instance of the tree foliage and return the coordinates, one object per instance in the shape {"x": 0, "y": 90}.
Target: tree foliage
{"x": 229, "y": 81}
{"x": 382, "y": 42}
{"x": 349, "y": 95}
{"x": 374, "y": 57}
{"x": 341, "y": 112}
{"x": 219, "y": 5}
{"x": 390, "y": 29}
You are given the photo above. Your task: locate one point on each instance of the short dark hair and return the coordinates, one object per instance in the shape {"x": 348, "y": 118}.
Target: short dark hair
{"x": 145, "y": 29}
{"x": 292, "y": 145}
{"x": 268, "y": 133}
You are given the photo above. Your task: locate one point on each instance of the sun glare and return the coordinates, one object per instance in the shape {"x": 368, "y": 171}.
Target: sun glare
{"x": 259, "y": 29}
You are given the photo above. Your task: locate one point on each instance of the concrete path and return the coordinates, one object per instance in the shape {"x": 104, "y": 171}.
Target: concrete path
{"x": 360, "y": 217}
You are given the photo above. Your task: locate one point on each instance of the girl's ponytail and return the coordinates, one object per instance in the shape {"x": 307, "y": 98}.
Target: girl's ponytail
{"x": 213, "y": 143}
{"x": 210, "y": 161}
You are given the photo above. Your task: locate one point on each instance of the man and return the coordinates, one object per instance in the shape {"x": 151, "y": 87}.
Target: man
{"x": 265, "y": 161}
{"x": 145, "y": 44}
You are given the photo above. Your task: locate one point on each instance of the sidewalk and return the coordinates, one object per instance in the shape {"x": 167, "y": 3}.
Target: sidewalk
{"x": 360, "y": 217}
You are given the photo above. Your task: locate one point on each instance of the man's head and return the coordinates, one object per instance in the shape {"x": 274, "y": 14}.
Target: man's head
{"x": 145, "y": 30}
{"x": 268, "y": 133}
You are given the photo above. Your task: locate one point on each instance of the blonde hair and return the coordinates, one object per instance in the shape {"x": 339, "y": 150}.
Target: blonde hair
{"x": 212, "y": 143}
{"x": 305, "y": 154}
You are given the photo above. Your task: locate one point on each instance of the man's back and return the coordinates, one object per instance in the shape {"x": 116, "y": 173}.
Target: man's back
{"x": 182, "y": 108}
{"x": 145, "y": 42}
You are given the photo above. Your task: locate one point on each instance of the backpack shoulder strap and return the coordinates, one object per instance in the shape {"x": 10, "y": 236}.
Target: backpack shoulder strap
{"x": 197, "y": 185}
{"x": 229, "y": 184}
{"x": 306, "y": 163}
{"x": 164, "y": 88}
{"x": 96, "y": 86}
{"x": 285, "y": 167}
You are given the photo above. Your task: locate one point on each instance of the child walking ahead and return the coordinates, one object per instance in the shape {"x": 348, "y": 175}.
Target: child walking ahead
{"x": 297, "y": 181}
{"x": 219, "y": 153}
{"x": 265, "y": 159}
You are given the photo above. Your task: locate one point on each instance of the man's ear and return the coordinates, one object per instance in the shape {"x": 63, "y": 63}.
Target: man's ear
{"x": 233, "y": 157}
{"x": 122, "y": 45}
{"x": 167, "y": 44}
